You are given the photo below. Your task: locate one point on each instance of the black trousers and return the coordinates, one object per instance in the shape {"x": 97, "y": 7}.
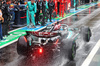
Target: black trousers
{"x": 44, "y": 15}
{"x": 37, "y": 17}
{"x": 58, "y": 4}
{"x": 50, "y": 12}
{"x": 5, "y": 29}
{"x": 5, "y": 25}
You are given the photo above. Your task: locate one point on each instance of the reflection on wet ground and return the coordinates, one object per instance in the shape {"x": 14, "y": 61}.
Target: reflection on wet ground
{"x": 9, "y": 56}
{"x": 71, "y": 20}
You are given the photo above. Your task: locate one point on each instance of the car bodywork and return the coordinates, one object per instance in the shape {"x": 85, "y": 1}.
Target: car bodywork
{"x": 54, "y": 38}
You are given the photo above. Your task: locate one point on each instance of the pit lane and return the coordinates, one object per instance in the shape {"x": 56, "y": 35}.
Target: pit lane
{"x": 9, "y": 56}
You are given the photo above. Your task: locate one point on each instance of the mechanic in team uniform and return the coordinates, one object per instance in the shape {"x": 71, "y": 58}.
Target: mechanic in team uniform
{"x": 31, "y": 10}
{"x": 51, "y": 6}
{"x": 7, "y": 17}
{"x": 44, "y": 9}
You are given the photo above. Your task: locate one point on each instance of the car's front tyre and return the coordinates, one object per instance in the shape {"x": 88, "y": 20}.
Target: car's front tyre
{"x": 22, "y": 46}
{"x": 86, "y": 33}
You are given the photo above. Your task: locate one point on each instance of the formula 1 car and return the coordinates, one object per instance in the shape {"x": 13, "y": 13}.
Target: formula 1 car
{"x": 54, "y": 38}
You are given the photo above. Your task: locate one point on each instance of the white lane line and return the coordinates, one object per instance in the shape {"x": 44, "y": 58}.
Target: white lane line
{"x": 91, "y": 55}
{"x": 41, "y": 28}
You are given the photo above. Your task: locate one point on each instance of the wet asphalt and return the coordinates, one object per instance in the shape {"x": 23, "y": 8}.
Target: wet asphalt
{"x": 89, "y": 17}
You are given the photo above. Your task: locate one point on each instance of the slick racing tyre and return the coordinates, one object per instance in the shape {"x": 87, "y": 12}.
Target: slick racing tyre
{"x": 72, "y": 51}
{"x": 86, "y": 33}
{"x": 22, "y": 46}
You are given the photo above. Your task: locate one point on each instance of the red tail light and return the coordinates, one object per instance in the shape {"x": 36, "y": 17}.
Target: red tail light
{"x": 41, "y": 50}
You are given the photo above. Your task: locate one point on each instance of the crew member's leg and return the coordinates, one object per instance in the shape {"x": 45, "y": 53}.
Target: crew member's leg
{"x": 43, "y": 23}
{"x": 50, "y": 12}
{"x": 28, "y": 21}
{"x": 58, "y": 3}
{"x": 62, "y": 10}
{"x": 56, "y": 9}
{"x": 50, "y": 17}
{"x": 76, "y": 5}
{"x": 36, "y": 18}
{"x": 65, "y": 6}
{"x": 5, "y": 29}
{"x": 5, "y": 26}
{"x": 33, "y": 18}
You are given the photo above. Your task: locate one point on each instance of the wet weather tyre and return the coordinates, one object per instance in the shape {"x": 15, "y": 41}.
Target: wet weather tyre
{"x": 72, "y": 51}
{"x": 86, "y": 32}
{"x": 22, "y": 46}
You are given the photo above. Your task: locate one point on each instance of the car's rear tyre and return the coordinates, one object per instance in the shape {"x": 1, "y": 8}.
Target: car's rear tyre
{"x": 22, "y": 46}
{"x": 86, "y": 33}
{"x": 72, "y": 51}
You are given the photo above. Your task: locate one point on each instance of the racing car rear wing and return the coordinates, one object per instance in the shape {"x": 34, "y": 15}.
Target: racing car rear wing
{"x": 43, "y": 34}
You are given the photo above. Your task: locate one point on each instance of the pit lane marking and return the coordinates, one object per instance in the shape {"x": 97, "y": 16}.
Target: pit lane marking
{"x": 91, "y": 55}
